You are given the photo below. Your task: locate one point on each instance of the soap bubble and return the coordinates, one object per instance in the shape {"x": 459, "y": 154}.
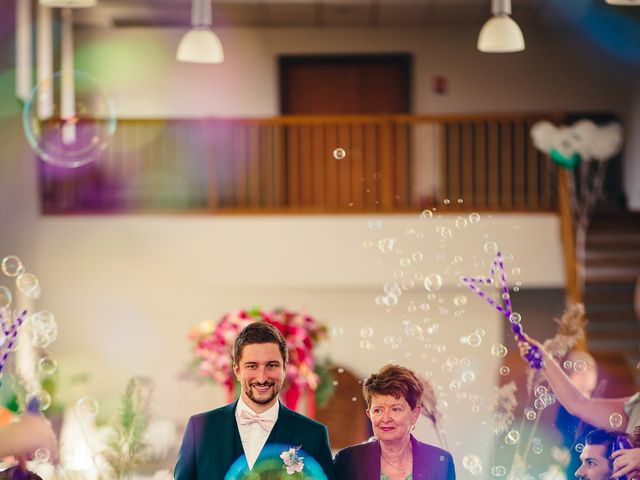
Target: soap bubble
{"x": 615, "y": 420}
{"x": 426, "y": 214}
{"x": 579, "y": 447}
{"x": 87, "y": 408}
{"x": 42, "y": 455}
{"x": 337, "y": 331}
{"x": 461, "y": 222}
{"x": 44, "y": 329}
{"x": 568, "y": 364}
{"x": 460, "y": 300}
{"x": 537, "y": 448}
{"x": 74, "y": 137}
{"x": 499, "y": 350}
{"x": 455, "y": 385}
{"x": 540, "y": 390}
{"x": 468, "y": 376}
{"x": 579, "y": 365}
{"x": 417, "y": 256}
{"x": 465, "y": 362}
{"x": 473, "y": 464}
{"x": 47, "y": 365}
{"x": 512, "y": 437}
{"x": 504, "y": 371}
{"x": 12, "y": 266}
{"x": 386, "y": 245}
{"x": 366, "y": 345}
{"x": 28, "y": 284}
{"x": 433, "y": 282}
{"x": 366, "y": 332}
{"x": 491, "y": 247}
{"x": 5, "y": 297}
{"x": 474, "y": 217}
{"x": 530, "y": 413}
{"x": 515, "y": 317}
{"x": 498, "y": 471}
{"x": 374, "y": 224}
{"x": 339, "y": 153}
{"x": 43, "y": 397}
{"x": 474, "y": 340}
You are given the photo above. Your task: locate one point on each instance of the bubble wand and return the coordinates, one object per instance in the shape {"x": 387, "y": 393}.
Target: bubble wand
{"x": 533, "y": 356}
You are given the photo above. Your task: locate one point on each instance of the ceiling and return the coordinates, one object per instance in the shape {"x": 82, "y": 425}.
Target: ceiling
{"x": 334, "y": 13}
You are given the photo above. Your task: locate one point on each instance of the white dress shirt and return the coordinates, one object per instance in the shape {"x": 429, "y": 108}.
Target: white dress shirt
{"x": 254, "y": 435}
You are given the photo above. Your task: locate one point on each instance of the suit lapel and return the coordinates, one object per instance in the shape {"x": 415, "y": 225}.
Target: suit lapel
{"x": 373, "y": 456}
{"x": 284, "y": 429}
{"x": 226, "y": 431}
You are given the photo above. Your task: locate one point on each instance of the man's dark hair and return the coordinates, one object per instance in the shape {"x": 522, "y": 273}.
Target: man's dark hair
{"x": 259, "y": 332}
{"x": 604, "y": 437}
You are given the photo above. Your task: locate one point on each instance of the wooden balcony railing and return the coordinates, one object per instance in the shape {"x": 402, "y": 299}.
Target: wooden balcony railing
{"x": 289, "y": 164}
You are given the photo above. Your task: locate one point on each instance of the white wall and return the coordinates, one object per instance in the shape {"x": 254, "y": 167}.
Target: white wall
{"x": 138, "y": 67}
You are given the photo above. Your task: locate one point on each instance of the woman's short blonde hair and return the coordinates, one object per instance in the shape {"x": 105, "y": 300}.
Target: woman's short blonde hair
{"x": 396, "y": 381}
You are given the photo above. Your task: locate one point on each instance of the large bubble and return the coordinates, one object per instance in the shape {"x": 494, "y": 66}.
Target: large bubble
{"x": 69, "y": 131}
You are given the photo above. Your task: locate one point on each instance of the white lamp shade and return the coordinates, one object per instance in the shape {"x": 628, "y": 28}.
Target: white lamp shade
{"x": 624, "y": 3}
{"x": 68, "y": 3}
{"x": 200, "y": 45}
{"x": 500, "y": 34}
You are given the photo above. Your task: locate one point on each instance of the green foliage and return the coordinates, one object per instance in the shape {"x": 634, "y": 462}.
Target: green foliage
{"x": 126, "y": 448}
{"x": 326, "y": 388}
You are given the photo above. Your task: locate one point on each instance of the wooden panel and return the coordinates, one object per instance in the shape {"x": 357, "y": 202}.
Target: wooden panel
{"x": 453, "y": 187}
{"x": 384, "y": 200}
{"x": 493, "y": 166}
{"x": 468, "y": 166}
{"x": 519, "y": 166}
{"x": 306, "y": 180}
{"x": 331, "y": 167}
{"x": 292, "y": 166}
{"x": 533, "y": 184}
{"x": 506, "y": 166}
{"x": 318, "y": 159}
{"x": 370, "y": 166}
{"x": 357, "y": 166}
{"x": 480, "y": 199}
{"x": 401, "y": 186}
{"x": 254, "y": 166}
{"x": 343, "y": 166}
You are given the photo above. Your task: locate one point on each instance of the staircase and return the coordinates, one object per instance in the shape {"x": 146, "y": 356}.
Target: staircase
{"x": 612, "y": 269}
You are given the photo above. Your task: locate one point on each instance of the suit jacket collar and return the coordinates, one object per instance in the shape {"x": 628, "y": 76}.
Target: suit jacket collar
{"x": 422, "y": 461}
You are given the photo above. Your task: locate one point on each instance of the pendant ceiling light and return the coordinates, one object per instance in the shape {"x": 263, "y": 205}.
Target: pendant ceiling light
{"x": 624, "y": 3}
{"x": 500, "y": 34}
{"x": 68, "y": 3}
{"x": 200, "y": 44}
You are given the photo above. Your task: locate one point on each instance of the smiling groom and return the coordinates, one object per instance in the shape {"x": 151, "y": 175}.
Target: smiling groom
{"x": 214, "y": 440}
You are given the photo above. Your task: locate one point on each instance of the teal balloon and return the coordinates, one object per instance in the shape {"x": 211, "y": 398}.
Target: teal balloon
{"x": 570, "y": 162}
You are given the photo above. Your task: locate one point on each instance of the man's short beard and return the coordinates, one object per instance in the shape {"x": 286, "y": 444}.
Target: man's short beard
{"x": 259, "y": 401}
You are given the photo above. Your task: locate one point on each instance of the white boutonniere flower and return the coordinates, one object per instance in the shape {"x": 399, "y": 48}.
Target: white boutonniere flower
{"x": 292, "y": 461}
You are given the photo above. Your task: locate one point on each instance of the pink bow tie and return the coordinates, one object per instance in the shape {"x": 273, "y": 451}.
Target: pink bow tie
{"x": 247, "y": 418}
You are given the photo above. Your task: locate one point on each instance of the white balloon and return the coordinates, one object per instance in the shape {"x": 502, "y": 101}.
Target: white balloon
{"x": 542, "y": 134}
{"x": 563, "y": 142}
{"x": 583, "y": 134}
{"x": 608, "y": 141}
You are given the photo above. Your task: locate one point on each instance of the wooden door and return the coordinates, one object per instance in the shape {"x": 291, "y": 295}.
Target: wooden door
{"x": 345, "y": 85}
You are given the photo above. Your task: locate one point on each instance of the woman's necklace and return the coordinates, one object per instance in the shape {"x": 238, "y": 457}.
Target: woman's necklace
{"x": 404, "y": 467}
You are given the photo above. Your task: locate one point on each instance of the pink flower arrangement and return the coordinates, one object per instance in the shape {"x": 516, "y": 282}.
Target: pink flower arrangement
{"x": 212, "y": 344}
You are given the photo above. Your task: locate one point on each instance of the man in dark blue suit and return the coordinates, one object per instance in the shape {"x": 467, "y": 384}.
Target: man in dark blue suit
{"x": 214, "y": 440}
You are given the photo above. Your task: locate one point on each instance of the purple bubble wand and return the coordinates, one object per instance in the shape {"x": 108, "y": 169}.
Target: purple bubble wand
{"x": 534, "y": 355}
{"x": 11, "y": 333}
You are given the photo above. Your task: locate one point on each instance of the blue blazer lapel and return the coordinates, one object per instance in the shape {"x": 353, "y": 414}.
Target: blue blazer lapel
{"x": 373, "y": 456}
{"x": 285, "y": 427}
{"x": 225, "y": 432}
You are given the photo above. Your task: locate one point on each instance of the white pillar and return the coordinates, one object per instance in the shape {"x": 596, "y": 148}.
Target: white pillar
{"x": 24, "y": 56}
{"x": 45, "y": 62}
